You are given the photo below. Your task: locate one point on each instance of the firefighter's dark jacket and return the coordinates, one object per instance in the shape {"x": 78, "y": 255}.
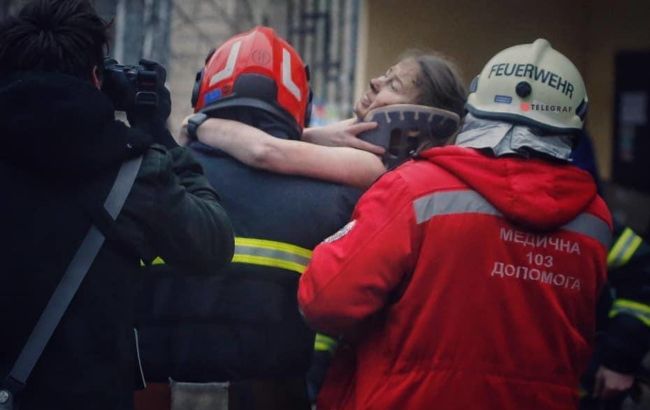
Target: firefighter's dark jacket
{"x": 61, "y": 150}
{"x": 245, "y": 323}
{"x": 627, "y": 337}
{"x": 623, "y": 310}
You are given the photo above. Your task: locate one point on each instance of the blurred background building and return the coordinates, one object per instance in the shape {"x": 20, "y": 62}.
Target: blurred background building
{"x": 180, "y": 33}
{"x": 346, "y": 42}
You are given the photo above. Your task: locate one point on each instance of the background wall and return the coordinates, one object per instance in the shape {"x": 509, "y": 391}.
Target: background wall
{"x": 472, "y": 31}
{"x": 612, "y": 27}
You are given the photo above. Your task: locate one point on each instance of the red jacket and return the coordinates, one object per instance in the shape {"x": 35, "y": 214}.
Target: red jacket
{"x": 463, "y": 281}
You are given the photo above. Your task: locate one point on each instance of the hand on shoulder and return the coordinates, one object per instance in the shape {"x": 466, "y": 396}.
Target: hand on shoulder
{"x": 343, "y": 134}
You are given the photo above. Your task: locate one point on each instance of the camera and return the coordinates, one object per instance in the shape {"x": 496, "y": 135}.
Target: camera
{"x": 131, "y": 86}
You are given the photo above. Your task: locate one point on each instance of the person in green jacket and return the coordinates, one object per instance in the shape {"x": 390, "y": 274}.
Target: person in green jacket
{"x": 61, "y": 151}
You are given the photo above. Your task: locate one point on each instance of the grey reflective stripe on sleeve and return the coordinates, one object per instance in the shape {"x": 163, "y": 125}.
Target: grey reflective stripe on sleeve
{"x": 470, "y": 202}
{"x": 592, "y": 226}
{"x": 450, "y": 203}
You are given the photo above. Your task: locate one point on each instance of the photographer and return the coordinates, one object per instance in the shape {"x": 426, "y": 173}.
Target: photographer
{"x": 61, "y": 152}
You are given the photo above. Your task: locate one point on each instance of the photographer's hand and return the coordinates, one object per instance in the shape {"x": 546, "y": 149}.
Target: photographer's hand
{"x": 152, "y": 118}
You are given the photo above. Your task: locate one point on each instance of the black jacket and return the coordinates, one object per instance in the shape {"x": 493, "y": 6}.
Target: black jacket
{"x": 61, "y": 152}
{"x": 626, "y": 336}
{"x": 245, "y": 323}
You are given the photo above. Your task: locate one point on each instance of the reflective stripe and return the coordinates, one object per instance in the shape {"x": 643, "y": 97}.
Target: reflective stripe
{"x": 638, "y": 310}
{"x": 325, "y": 343}
{"x": 157, "y": 261}
{"x": 450, "y": 203}
{"x": 266, "y": 253}
{"x": 618, "y": 246}
{"x": 271, "y": 253}
{"x": 626, "y": 244}
{"x": 471, "y": 202}
{"x": 592, "y": 226}
{"x": 287, "y": 80}
{"x": 230, "y": 65}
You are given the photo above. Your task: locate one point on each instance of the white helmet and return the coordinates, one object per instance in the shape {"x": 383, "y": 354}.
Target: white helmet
{"x": 531, "y": 84}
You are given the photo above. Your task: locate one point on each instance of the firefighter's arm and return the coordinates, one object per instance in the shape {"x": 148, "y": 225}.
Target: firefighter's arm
{"x": 627, "y": 338}
{"x": 258, "y": 149}
{"x": 353, "y": 274}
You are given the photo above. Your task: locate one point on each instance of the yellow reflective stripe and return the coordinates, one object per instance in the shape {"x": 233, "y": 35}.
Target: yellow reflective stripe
{"x": 281, "y": 246}
{"x": 157, "y": 261}
{"x": 275, "y": 254}
{"x": 626, "y": 244}
{"x": 324, "y": 343}
{"x": 616, "y": 249}
{"x": 267, "y": 261}
{"x": 639, "y": 310}
{"x": 636, "y": 242}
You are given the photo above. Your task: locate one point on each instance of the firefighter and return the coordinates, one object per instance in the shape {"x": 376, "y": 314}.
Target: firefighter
{"x": 418, "y": 82}
{"x": 426, "y": 79}
{"x": 625, "y": 336}
{"x": 623, "y": 319}
{"x": 468, "y": 277}
{"x": 246, "y": 329}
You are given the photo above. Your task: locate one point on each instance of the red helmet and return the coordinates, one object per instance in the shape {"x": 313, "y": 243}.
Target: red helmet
{"x": 255, "y": 69}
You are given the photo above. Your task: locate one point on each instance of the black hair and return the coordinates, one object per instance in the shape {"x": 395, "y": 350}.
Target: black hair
{"x": 63, "y": 36}
{"x": 439, "y": 82}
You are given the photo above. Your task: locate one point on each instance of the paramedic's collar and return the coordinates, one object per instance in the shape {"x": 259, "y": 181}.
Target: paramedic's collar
{"x": 504, "y": 138}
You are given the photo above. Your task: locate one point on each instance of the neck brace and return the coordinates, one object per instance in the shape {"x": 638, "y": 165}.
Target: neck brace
{"x": 403, "y": 128}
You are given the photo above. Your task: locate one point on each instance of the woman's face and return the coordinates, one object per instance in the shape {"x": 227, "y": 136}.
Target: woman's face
{"x": 397, "y": 86}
